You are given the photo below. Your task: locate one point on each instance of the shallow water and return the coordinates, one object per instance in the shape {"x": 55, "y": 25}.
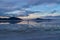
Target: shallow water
{"x": 30, "y": 31}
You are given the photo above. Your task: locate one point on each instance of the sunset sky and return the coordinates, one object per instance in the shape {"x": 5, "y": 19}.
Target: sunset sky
{"x": 30, "y": 8}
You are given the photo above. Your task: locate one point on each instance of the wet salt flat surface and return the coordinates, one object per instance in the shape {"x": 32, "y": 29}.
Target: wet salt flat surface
{"x": 30, "y": 31}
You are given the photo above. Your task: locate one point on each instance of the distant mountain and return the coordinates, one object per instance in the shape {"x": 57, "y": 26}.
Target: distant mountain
{"x": 41, "y": 20}
{"x": 52, "y": 17}
{"x": 11, "y": 18}
{"x": 14, "y": 18}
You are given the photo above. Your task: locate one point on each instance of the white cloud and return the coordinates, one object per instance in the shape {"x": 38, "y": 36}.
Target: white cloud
{"x": 55, "y": 14}
{"x": 16, "y": 13}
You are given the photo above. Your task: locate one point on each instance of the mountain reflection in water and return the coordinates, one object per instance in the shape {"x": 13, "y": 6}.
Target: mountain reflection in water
{"x": 30, "y": 30}
{"x": 53, "y": 25}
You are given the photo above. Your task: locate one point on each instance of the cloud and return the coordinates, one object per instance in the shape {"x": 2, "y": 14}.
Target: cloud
{"x": 20, "y": 13}
{"x": 8, "y": 6}
{"x": 38, "y": 2}
{"x": 54, "y": 11}
{"x": 54, "y": 14}
{"x": 16, "y": 13}
{"x": 24, "y": 3}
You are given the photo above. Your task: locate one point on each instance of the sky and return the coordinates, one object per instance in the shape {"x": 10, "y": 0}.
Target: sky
{"x": 30, "y": 8}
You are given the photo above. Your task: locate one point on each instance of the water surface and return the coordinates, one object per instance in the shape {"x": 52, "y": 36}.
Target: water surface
{"x": 30, "y": 30}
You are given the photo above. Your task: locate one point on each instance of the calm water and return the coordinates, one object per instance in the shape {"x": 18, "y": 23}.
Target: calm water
{"x": 30, "y": 30}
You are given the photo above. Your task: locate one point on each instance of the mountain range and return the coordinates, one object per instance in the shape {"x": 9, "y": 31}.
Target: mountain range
{"x": 52, "y": 17}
